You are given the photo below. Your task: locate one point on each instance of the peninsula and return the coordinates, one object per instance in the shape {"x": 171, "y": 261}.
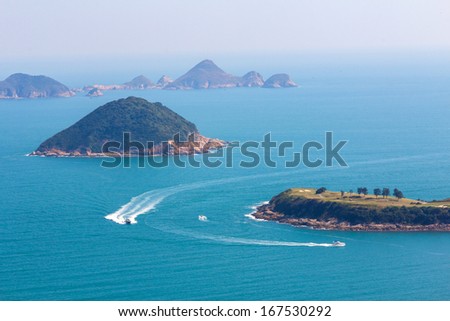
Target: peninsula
{"x": 322, "y": 209}
{"x": 143, "y": 121}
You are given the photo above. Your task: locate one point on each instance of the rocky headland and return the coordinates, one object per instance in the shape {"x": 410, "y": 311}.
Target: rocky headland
{"x": 336, "y": 211}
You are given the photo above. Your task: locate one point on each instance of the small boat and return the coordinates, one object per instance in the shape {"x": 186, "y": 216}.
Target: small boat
{"x": 127, "y": 221}
{"x": 202, "y": 218}
{"x": 338, "y": 243}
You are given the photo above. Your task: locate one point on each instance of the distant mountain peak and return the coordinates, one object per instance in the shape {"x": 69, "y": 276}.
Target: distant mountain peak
{"x": 205, "y": 74}
{"x": 208, "y": 65}
{"x": 141, "y": 78}
{"x": 206, "y": 62}
{"x": 18, "y": 75}
{"x": 140, "y": 82}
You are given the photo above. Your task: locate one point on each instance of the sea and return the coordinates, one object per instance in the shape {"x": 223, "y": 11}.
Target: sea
{"x": 57, "y": 244}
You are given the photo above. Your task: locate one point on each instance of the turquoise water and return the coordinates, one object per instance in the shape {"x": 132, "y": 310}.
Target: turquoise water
{"x": 55, "y": 243}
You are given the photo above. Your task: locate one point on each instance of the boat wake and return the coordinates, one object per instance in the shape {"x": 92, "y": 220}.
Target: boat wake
{"x": 245, "y": 241}
{"x": 144, "y": 203}
{"x": 148, "y": 201}
{"x": 266, "y": 242}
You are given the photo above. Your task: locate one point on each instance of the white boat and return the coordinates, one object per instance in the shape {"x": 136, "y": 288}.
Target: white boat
{"x": 338, "y": 243}
{"x": 202, "y": 218}
{"x": 127, "y": 221}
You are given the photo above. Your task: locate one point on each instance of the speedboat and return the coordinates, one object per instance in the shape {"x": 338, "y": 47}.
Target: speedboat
{"x": 127, "y": 221}
{"x": 202, "y": 218}
{"x": 338, "y": 243}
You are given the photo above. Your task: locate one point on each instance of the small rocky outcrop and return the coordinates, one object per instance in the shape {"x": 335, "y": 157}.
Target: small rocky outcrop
{"x": 164, "y": 81}
{"x": 139, "y": 82}
{"x": 279, "y": 81}
{"x": 252, "y": 79}
{"x": 94, "y": 92}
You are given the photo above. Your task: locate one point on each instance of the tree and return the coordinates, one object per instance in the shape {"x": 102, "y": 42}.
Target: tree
{"x": 386, "y": 192}
{"x": 359, "y": 190}
{"x": 321, "y": 190}
{"x": 377, "y": 192}
{"x": 397, "y": 193}
{"x": 351, "y": 192}
{"x": 365, "y": 191}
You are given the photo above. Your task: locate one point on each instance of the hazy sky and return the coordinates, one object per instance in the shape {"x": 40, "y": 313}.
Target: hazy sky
{"x": 84, "y": 28}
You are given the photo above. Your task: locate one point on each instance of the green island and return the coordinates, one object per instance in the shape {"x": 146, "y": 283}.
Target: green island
{"x": 144, "y": 121}
{"x": 361, "y": 211}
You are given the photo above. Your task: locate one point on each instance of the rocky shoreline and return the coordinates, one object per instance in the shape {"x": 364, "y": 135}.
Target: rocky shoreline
{"x": 201, "y": 145}
{"x": 129, "y": 127}
{"x": 266, "y": 212}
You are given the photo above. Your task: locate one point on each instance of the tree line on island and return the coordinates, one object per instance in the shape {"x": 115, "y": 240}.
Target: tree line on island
{"x": 294, "y": 204}
{"x": 385, "y": 192}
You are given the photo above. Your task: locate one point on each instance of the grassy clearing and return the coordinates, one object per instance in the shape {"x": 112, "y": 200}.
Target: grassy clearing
{"x": 366, "y": 200}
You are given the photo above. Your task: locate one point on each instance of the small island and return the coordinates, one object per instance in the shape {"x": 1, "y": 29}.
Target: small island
{"x": 361, "y": 211}
{"x": 279, "y": 81}
{"x": 94, "y": 92}
{"x": 143, "y": 121}
{"x": 18, "y": 86}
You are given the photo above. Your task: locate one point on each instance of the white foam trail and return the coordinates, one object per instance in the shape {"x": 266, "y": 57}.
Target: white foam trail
{"x": 238, "y": 240}
{"x": 146, "y": 202}
{"x": 140, "y": 204}
{"x": 245, "y": 241}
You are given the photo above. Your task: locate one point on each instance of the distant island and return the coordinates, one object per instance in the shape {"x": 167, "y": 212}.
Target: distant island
{"x": 19, "y": 86}
{"x": 322, "y": 209}
{"x": 145, "y": 121}
{"x": 279, "y": 81}
{"x": 204, "y": 75}
{"x": 139, "y": 82}
{"x": 94, "y": 92}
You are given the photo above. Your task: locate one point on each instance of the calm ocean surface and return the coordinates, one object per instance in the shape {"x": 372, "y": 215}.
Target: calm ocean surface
{"x": 55, "y": 243}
